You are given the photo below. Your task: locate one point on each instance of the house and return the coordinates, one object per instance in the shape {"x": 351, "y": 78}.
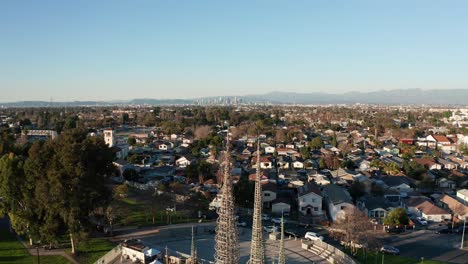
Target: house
{"x": 309, "y": 199}
{"x": 280, "y": 206}
{"x": 458, "y": 209}
{"x": 463, "y": 195}
{"x": 268, "y": 194}
{"x": 375, "y": 207}
{"x": 445, "y": 183}
{"x": 429, "y": 163}
{"x": 411, "y": 204}
{"x": 163, "y": 146}
{"x": 400, "y": 184}
{"x": 337, "y": 200}
{"x": 182, "y": 162}
{"x": 265, "y": 162}
{"x": 448, "y": 165}
{"x": 459, "y": 162}
{"x": 270, "y": 150}
{"x": 122, "y": 166}
{"x": 432, "y": 212}
{"x": 298, "y": 164}
{"x": 283, "y": 162}
{"x": 319, "y": 179}
{"x": 287, "y": 152}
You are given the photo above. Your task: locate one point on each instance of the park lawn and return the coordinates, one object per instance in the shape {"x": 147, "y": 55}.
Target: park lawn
{"x": 377, "y": 258}
{"x": 91, "y": 250}
{"x": 12, "y": 251}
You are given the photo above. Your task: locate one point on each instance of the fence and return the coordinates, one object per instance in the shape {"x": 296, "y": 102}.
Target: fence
{"x": 110, "y": 256}
{"x": 330, "y": 253}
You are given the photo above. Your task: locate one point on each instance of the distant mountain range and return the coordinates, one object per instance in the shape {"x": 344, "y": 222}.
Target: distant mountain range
{"x": 390, "y": 97}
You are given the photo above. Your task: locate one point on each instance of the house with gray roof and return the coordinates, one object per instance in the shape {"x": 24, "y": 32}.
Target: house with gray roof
{"x": 337, "y": 200}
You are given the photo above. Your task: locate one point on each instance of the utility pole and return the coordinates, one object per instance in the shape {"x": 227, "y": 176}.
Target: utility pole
{"x": 193, "y": 251}
{"x": 463, "y": 234}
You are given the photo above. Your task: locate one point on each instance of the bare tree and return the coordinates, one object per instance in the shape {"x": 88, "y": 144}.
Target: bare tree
{"x": 202, "y": 132}
{"x": 355, "y": 230}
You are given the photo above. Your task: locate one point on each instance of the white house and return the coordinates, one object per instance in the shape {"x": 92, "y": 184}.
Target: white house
{"x": 279, "y": 207}
{"x": 182, "y": 162}
{"x": 433, "y": 213}
{"x": 309, "y": 199}
{"x": 298, "y": 164}
{"x": 270, "y": 150}
{"x": 265, "y": 162}
{"x": 463, "y": 195}
{"x": 163, "y": 146}
{"x": 337, "y": 200}
{"x": 268, "y": 194}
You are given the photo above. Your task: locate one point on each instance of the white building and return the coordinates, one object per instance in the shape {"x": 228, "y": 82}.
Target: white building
{"x": 309, "y": 199}
{"x": 109, "y": 137}
{"x": 463, "y": 195}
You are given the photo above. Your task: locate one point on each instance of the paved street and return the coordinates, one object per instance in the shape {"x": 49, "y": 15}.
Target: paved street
{"x": 428, "y": 244}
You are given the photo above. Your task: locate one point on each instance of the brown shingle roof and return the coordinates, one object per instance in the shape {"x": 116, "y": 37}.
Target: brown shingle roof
{"x": 429, "y": 208}
{"x": 454, "y": 205}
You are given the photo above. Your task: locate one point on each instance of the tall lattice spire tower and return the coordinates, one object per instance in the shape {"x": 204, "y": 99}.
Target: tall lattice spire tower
{"x": 193, "y": 250}
{"x": 282, "y": 257}
{"x": 257, "y": 251}
{"x": 227, "y": 239}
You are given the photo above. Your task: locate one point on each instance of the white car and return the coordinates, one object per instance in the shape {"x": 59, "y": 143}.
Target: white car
{"x": 421, "y": 220}
{"x": 278, "y": 220}
{"x": 270, "y": 229}
{"x": 313, "y": 236}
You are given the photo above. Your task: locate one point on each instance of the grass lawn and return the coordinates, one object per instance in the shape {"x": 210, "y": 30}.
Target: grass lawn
{"x": 93, "y": 249}
{"x": 376, "y": 258}
{"x": 11, "y": 251}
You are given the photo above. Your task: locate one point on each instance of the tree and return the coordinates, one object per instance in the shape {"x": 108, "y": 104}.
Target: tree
{"x": 77, "y": 172}
{"x": 315, "y": 143}
{"x": 377, "y": 190}
{"x": 305, "y": 153}
{"x": 121, "y": 190}
{"x": 357, "y": 190}
{"x": 397, "y": 216}
{"x": 131, "y": 175}
{"x": 202, "y": 132}
{"x": 354, "y": 228}
{"x": 244, "y": 192}
{"x": 131, "y": 141}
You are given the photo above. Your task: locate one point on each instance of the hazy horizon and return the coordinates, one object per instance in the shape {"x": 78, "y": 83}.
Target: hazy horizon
{"x": 120, "y": 50}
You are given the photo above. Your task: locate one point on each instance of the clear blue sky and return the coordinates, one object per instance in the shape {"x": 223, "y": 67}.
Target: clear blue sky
{"x": 104, "y": 50}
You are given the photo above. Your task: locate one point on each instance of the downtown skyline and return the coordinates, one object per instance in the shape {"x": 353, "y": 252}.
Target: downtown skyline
{"x": 118, "y": 50}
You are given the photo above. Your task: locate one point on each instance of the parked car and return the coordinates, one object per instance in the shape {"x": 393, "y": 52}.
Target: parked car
{"x": 278, "y": 220}
{"x": 390, "y": 250}
{"x": 241, "y": 223}
{"x": 270, "y": 229}
{"x": 312, "y": 236}
{"x": 421, "y": 220}
{"x": 395, "y": 230}
{"x": 265, "y": 217}
{"x": 445, "y": 231}
{"x": 291, "y": 233}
